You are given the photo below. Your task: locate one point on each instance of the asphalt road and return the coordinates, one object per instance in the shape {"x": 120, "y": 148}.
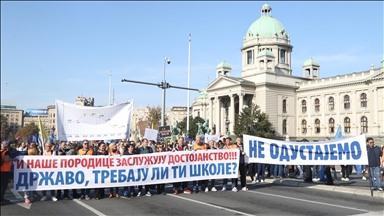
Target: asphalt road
{"x": 261, "y": 199}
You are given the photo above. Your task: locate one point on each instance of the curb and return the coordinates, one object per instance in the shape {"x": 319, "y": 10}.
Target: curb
{"x": 335, "y": 188}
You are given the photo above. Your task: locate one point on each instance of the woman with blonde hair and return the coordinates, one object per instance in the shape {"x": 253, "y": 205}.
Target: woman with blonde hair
{"x": 30, "y": 151}
{"x": 113, "y": 151}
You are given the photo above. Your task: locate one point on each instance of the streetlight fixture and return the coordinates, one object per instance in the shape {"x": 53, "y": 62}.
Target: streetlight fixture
{"x": 163, "y": 85}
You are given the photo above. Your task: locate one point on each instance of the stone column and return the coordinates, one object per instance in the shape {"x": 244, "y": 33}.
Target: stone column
{"x": 210, "y": 125}
{"x": 231, "y": 114}
{"x": 217, "y": 116}
{"x": 241, "y": 101}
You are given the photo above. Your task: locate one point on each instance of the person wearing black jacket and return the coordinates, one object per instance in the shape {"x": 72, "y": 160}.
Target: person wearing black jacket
{"x": 129, "y": 150}
{"x": 144, "y": 149}
{"x": 242, "y": 165}
{"x": 374, "y": 163}
{"x": 100, "y": 192}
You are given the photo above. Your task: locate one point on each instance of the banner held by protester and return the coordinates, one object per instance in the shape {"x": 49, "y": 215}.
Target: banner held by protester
{"x": 75, "y": 123}
{"x": 55, "y": 172}
{"x": 348, "y": 151}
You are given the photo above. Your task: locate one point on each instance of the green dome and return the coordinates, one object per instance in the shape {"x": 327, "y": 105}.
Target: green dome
{"x": 311, "y": 61}
{"x": 203, "y": 94}
{"x": 265, "y": 52}
{"x": 266, "y": 26}
{"x": 223, "y": 64}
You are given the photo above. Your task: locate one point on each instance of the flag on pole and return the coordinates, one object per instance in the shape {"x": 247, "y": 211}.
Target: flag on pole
{"x": 43, "y": 137}
{"x": 339, "y": 133}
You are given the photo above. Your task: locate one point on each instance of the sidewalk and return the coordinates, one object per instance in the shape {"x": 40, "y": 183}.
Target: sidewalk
{"x": 355, "y": 185}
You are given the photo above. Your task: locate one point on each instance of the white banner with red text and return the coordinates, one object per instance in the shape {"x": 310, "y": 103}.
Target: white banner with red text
{"x": 69, "y": 172}
{"x": 348, "y": 151}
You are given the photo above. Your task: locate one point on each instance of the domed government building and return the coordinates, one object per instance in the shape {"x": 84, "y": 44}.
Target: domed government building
{"x": 309, "y": 106}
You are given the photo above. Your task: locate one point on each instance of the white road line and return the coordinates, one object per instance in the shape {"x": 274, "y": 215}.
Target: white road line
{"x": 89, "y": 207}
{"x": 309, "y": 201}
{"x": 210, "y": 205}
{"x": 19, "y": 202}
{"x": 17, "y": 195}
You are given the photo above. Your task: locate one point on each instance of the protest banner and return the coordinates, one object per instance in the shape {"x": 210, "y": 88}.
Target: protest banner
{"x": 76, "y": 123}
{"x": 56, "y": 172}
{"x": 348, "y": 151}
{"x": 151, "y": 134}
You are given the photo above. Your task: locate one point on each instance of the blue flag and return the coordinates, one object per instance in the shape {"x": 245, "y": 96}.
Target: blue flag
{"x": 35, "y": 138}
{"x": 339, "y": 133}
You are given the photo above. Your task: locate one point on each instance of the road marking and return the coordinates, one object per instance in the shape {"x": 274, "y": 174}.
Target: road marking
{"x": 17, "y": 195}
{"x": 211, "y": 205}
{"x": 18, "y": 201}
{"x": 89, "y": 207}
{"x": 309, "y": 201}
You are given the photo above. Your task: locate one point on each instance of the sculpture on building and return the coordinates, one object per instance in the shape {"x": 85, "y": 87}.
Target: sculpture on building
{"x": 175, "y": 129}
{"x": 202, "y": 128}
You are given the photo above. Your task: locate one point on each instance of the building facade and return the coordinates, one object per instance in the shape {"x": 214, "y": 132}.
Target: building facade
{"x": 303, "y": 107}
{"x": 14, "y": 117}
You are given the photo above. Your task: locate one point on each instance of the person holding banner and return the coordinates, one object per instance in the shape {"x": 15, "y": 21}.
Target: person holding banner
{"x": 199, "y": 145}
{"x": 86, "y": 150}
{"x": 48, "y": 151}
{"x": 130, "y": 150}
{"x": 145, "y": 149}
{"x": 5, "y": 170}
{"x": 230, "y": 145}
{"x": 27, "y": 200}
{"x": 242, "y": 165}
{"x": 374, "y": 163}
{"x": 116, "y": 153}
{"x": 307, "y": 169}
{"x": 211, "y": 144}
{"x": 73, "y": 149}
{"x": 180, "y": 185}
{"x": 99, "y": 192}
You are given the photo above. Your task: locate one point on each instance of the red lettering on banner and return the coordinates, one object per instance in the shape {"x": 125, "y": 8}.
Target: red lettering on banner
{"x": 20, "y": 164}
{"x": 54, "y": 165}
{"x": 163, "y": 159}
{"x": 226, "y": 155}
{"x": 199, "y": 157}
{"x": 206, "y": 156}
{"x": 124, "y": 162}
{"x": 111, "y": 162}
{"x": 30, "y": 163}
{"x": 37, "y": 164}
{"x": 77, "y": 162}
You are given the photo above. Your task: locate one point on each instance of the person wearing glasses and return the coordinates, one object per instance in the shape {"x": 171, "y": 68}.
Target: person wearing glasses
{"x": 86, "y": 150}
{"x": 374, "y": 163}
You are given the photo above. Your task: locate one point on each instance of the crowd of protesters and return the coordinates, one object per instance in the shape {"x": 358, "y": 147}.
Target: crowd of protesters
{"x": 256, "y": 171}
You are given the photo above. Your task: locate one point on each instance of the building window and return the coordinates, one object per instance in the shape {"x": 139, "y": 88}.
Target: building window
{"x": 317, "y": 105}
{"x": 284, "y": 106}
{"x": 304, "y": 126}
{"x": 364, "y": 124}
{"x": 249, "y": 57}
{"x": 317, "y": 126}
{"x": 303, "y": 106}
{"x": 363, "y": 101}
{"x": 331, "y": 103}
{"x": 282, "y": 56}
{"x": 347, "y": 103}
{"x": 331, "y": 125}
{"x": 284, "y": 126}
{"x": 347, "y": 125}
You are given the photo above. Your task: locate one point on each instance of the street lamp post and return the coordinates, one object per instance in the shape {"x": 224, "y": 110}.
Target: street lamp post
{"x": 164, "y": 85}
